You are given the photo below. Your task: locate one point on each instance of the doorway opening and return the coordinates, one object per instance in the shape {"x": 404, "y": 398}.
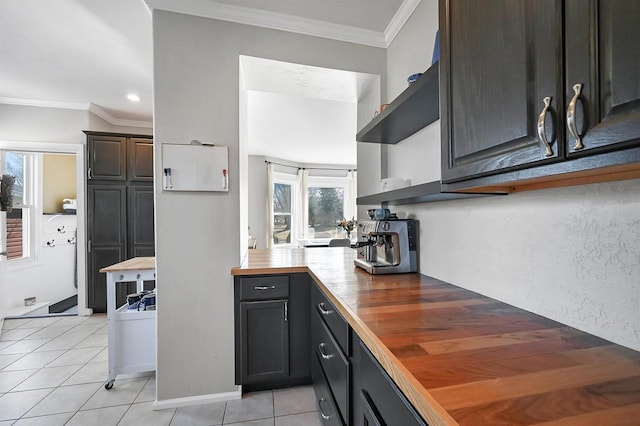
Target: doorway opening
{"x": 42, "y": 271}
{"x": 298, "y": 151}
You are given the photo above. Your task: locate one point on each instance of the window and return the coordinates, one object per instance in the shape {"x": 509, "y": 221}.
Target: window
{"x": 19, "y": 219}
{"x": 326, "y": 209}
{"x": 329, "y": 200}
{"x": 284, "y": 208}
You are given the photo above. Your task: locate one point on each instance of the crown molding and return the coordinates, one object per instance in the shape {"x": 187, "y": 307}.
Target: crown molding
{"x": 96, "y": 110}
{"x": 399, "y": 19}
{"x": 283, "y": 22}
{"x": 44, "y": 104}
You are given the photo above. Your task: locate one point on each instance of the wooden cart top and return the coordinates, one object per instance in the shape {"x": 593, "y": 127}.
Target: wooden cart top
{"x": 134, "y": 264}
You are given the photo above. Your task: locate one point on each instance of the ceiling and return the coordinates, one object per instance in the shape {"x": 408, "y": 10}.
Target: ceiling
{"x": 89, "y": 54}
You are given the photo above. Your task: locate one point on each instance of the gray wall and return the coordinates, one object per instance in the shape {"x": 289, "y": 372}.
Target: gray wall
{"x": 569, "y": 254}
{"x": 198, "y": 241}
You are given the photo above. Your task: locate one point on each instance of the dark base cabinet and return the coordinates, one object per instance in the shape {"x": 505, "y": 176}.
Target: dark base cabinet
{"x": 288, "y": 333}
{"x": 272, "y": 345}
{"x": 376, "y": 398}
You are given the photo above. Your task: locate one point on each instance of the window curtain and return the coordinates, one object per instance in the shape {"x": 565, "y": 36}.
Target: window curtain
{"x": 302, "y": 219}
{"x": 269, "y": 205}
{"x": 352, "y": 187}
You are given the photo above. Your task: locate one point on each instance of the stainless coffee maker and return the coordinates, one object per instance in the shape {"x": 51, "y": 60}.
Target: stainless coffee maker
{"x": 388, "y": 246}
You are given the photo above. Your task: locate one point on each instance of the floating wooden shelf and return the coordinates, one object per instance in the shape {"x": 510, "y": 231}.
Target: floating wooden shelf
{"x": 422, "y": 193}
{"x": 415, "y": 108}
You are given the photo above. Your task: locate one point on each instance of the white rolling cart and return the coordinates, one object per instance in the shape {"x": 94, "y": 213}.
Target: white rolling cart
{"x": 132, "y": 334}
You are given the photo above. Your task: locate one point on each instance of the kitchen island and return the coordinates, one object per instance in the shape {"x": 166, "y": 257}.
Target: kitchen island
{"x": 463, "y": 358}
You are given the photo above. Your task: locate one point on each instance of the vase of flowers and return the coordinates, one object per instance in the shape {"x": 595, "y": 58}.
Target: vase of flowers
{"x": 347, "y": 226}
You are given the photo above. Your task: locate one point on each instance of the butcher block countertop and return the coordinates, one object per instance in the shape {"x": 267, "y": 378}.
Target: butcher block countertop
{"x": 463, "y": 358}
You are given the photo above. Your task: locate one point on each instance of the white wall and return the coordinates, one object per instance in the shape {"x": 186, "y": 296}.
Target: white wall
{"x": 51, "y": 278}
{"x": 196, "y": 90}
{"x": 416, "y": 158}
{"x": 368, "y": 154}
{"x": 298, "y": 128}
{"x": 569, "y": 254}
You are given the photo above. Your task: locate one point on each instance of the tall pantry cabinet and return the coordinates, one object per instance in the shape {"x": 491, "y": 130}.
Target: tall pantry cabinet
{"x": 119, "y": 208}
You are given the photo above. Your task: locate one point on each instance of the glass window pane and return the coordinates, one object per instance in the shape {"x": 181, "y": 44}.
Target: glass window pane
{"x": 326, "y": 209}
{"x": 281, "y": 198}
{"x": 15, "y": 167}
{"x": 281, "y": 229}
{"x": 15, "y": 234}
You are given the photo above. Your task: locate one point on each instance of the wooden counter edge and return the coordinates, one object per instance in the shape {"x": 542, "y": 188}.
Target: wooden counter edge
{"x": 265, "y": 270}
{"x": 133, "y": 264}
{"x": 432, "y": 412}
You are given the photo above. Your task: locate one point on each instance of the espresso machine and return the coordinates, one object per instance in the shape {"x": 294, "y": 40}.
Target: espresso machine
{"x": 387, "y": 246}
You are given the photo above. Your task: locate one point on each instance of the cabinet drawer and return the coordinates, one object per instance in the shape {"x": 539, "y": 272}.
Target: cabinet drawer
{"x": 338, "y": 326}
{"x": 334, "y": 363}
{"x": 380, "y": 398}
{"x": 328, "y": 410}
{"x": 264, "y": 287}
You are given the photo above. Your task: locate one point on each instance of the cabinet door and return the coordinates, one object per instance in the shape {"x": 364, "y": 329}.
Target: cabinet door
{"x": 140, "y": 158}
{"x": 499, "y": 60}
{"x": 106, "y": 224}
{"x": 603, "y": 56}
{"x": 107, "y": 157}
{"x": 265, "y": 340}
{"x": 140, "y": 221}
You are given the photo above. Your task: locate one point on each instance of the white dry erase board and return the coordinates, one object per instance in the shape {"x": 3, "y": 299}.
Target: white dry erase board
{"x": 195, "y": 167}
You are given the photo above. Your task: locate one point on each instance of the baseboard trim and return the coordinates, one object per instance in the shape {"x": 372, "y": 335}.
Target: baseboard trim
{"x": 197, "y": 400}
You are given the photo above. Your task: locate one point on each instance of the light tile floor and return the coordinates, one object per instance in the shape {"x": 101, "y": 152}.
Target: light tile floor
{"x": 53, "y": 369}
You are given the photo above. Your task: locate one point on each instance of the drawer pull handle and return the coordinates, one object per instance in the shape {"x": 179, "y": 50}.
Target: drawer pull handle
{"x": 542, "y": 135}
{"x": 264, "y": 287}
{"x": 323, "y": 354}
{"x": 323, "y": 309}
{"x": 571, "y": 118}
{"x": 322, "y": 414}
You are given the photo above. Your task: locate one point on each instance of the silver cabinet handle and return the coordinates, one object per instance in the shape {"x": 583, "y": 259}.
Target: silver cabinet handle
{"x": 264, "y": 287}
{"x": 286, "y": 311}
{"x": 571, "y": 117}
{"x": 324, "y": 355}
{"x": 542, "y": 135}
{"x": 322, "y": 414}
{"x": 322, "y": 309}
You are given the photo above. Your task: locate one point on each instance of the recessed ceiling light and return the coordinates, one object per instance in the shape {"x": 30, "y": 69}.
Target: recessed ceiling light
{"x": 133, "y": 97}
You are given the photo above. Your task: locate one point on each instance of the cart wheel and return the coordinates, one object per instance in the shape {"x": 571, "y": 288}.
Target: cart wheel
{"x": 108, "y": 385}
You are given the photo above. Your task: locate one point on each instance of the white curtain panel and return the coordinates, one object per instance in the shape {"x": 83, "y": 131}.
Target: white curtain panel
{"x": 302, "y": 219}
{"x": 352, "y": 185}
{"x": 269, "y": 205}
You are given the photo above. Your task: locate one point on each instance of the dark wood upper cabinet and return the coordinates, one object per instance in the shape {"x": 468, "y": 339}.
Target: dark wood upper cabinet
{"x": 602, "y": 51}
{"x": 501, "y": 59}
{"x": 140, "y": 159}
{"x": 107, "y": 157}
